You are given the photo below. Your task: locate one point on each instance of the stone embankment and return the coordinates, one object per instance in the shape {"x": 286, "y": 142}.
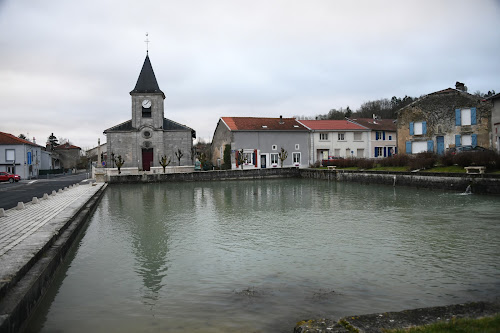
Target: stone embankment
{"x": 480, "y": 183}
{"x": 34, "y": 239}
{"x": 379, "y": 322}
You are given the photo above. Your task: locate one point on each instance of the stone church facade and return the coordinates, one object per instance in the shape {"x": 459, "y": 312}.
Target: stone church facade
{"x": 142, "y": 140}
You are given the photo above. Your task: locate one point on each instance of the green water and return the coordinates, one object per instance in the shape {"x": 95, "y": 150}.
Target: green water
{"x": 258, "y": 256}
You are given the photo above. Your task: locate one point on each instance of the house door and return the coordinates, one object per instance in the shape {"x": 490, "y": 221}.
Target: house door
{"x": 440, "y": 145}
{"x": 147, "y": 158}
{"x": 263, "y": 161}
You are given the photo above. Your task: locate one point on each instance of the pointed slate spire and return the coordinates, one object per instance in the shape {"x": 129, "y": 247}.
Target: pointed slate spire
{"x": 146, "y": 83}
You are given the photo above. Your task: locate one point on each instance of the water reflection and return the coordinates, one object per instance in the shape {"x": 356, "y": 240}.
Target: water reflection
{"x": 261, "y": 255}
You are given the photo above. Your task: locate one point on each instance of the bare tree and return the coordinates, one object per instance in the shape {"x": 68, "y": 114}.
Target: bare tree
{"x": 179, "y": 155}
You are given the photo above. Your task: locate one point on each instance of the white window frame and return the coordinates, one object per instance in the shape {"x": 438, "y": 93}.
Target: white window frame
{"x": 274, "y": 147}
{"x": 418, "y": 147}
{"x": 297, "y": 147}
{"x": 360, "y": 134}
{"x": 466, "y": 140}
{"x": 10, "y": 155}
{"x": 465, "y": 117}
{"x": 341, "y": 136}
{"x": 323, "y": 136}
{"x": 380, "y": 151}
{"x": 296, "y": 158}
{"x": 248, "y": 158}
{"x": 274, "y": 158}
{"x": 417, "y": 128}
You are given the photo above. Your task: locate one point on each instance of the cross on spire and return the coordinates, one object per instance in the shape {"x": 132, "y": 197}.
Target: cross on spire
{"x": 147, "y": 43}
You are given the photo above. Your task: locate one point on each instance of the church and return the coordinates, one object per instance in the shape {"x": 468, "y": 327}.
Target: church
{"x": 144, "y": 139}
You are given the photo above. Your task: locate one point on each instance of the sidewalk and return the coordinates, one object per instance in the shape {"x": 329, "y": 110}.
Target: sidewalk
{"x": 27, "y": 235}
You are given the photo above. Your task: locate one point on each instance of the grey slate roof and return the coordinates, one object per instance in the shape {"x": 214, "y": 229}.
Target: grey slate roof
{"x": 168, "y": 125}
{"x": 146, "y": 83}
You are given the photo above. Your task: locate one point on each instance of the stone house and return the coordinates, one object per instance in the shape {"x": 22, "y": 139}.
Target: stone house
{"x": 495, "y": 122}
{"x": 261, "y": 140}
{"x": 444, "y": 119}
{"x": 19, "y": 156}
{"x": 68, "y": 155}
{"x": 142, "y": 140}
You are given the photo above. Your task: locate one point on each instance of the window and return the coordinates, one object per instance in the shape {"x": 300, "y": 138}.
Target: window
{"x": 379, "y": 151}
{"x": 390, "y": 137}
{"x": 146, "y": 113}
{"x": 379, "y": 135}
{"x": 297, "y": 147}
{"x": 337, "y": 153}
{"x": 360, "y": 153}
{"x": 10, "y": 155}
{"x": 296, "y": 158}
{"x": 466, "y": 140}
{"x": 341, "y": 136}
{"x": 418, "y": 147}
{"x": 274, "y": 158}
{"x": 275, "y": 147}
{"x": 323, "y": 136}
{"x": 418, "y": 128}
{"x": 248, "y": 158}
{"x": 465, "y": 117}
{"x": 358, "y": 136}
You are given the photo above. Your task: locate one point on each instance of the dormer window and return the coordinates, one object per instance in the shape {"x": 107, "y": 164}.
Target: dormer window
{"x": 264, "y": 126}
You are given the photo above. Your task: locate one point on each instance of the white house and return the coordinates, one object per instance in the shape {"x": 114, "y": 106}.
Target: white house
{"x": 19, "y": 156}
{"x": 336, "y": 139}
{"x": 382, "y": 137}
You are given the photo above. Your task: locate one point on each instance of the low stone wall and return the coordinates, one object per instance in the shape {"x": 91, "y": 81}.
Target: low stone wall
{"x": 206, "y": 175}
{"x": 480, "y": 183}
{"x": 380, "y": 322}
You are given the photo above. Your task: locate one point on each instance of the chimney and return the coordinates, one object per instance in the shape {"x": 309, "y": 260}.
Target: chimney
{"x": 281, "y": 120}
{"x": 460, "y": 86}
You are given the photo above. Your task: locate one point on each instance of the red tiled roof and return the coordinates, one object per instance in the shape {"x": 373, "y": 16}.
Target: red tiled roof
{"x": 376, "y": 124}
{"x": 262, "y": 124}
{"x": 66, "y": 145}
{"x": 9, "y": 139}
{"x": 333, "y": 125}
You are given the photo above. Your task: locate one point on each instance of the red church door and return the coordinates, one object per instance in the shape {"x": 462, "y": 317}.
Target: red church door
{"x": 147, "y": 158}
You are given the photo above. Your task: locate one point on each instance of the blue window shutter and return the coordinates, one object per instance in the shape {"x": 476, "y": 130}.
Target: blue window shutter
{"x": 430, "y": 145}
{"x": 457, "y": 140}
{"x": 473, "y": 120}
{"x": 376, "y": 152}
{"x": 383, "y": 133}
{"x": 474, "y": 140}
{"x": 458, "y": 117}
{"x": 408, "y": 147}
{"x": 376, "y": 135}
{"x": 424, "y": 127}
{"x": 385, "y": 151}
{"x": 411, "y": 129}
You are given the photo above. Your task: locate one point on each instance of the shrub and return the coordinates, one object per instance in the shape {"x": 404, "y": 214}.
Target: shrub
{"x": 489, "y": 159}
{"x": 425, "y": 160}
{"x": 365, "y": 163}
{"x": 394, "y": 161}
{"x": 447, "y": 159}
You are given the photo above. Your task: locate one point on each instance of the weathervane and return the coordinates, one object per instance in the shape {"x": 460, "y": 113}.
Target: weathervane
{"x": 147, "y": 43}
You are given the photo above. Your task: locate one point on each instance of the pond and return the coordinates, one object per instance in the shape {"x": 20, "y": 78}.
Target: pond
{"x": 259, "y": 256}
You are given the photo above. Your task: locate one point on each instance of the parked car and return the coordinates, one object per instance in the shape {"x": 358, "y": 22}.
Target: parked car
{"x": 8, "y": 177}
{"x": 463, "y": 149}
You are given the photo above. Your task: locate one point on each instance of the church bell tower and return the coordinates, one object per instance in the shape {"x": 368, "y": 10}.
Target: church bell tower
{"x": 147, "y": 99}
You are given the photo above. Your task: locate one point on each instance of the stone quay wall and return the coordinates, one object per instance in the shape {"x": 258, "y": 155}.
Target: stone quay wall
{"x": 480, "y": 183}
{"x": 217, "y": 175}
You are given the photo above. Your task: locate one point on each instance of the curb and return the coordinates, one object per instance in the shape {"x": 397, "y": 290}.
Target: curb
{"x": 21, "y": 296}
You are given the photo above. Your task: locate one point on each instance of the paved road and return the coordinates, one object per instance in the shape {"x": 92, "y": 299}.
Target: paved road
{"x": 25, "y": 190}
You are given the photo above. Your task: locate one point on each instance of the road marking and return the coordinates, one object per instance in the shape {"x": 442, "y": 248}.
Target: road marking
{"x": 31, "y": 182}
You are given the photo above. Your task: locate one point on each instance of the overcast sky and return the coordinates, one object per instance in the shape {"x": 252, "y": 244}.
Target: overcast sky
{"x": 67, "y": 67}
